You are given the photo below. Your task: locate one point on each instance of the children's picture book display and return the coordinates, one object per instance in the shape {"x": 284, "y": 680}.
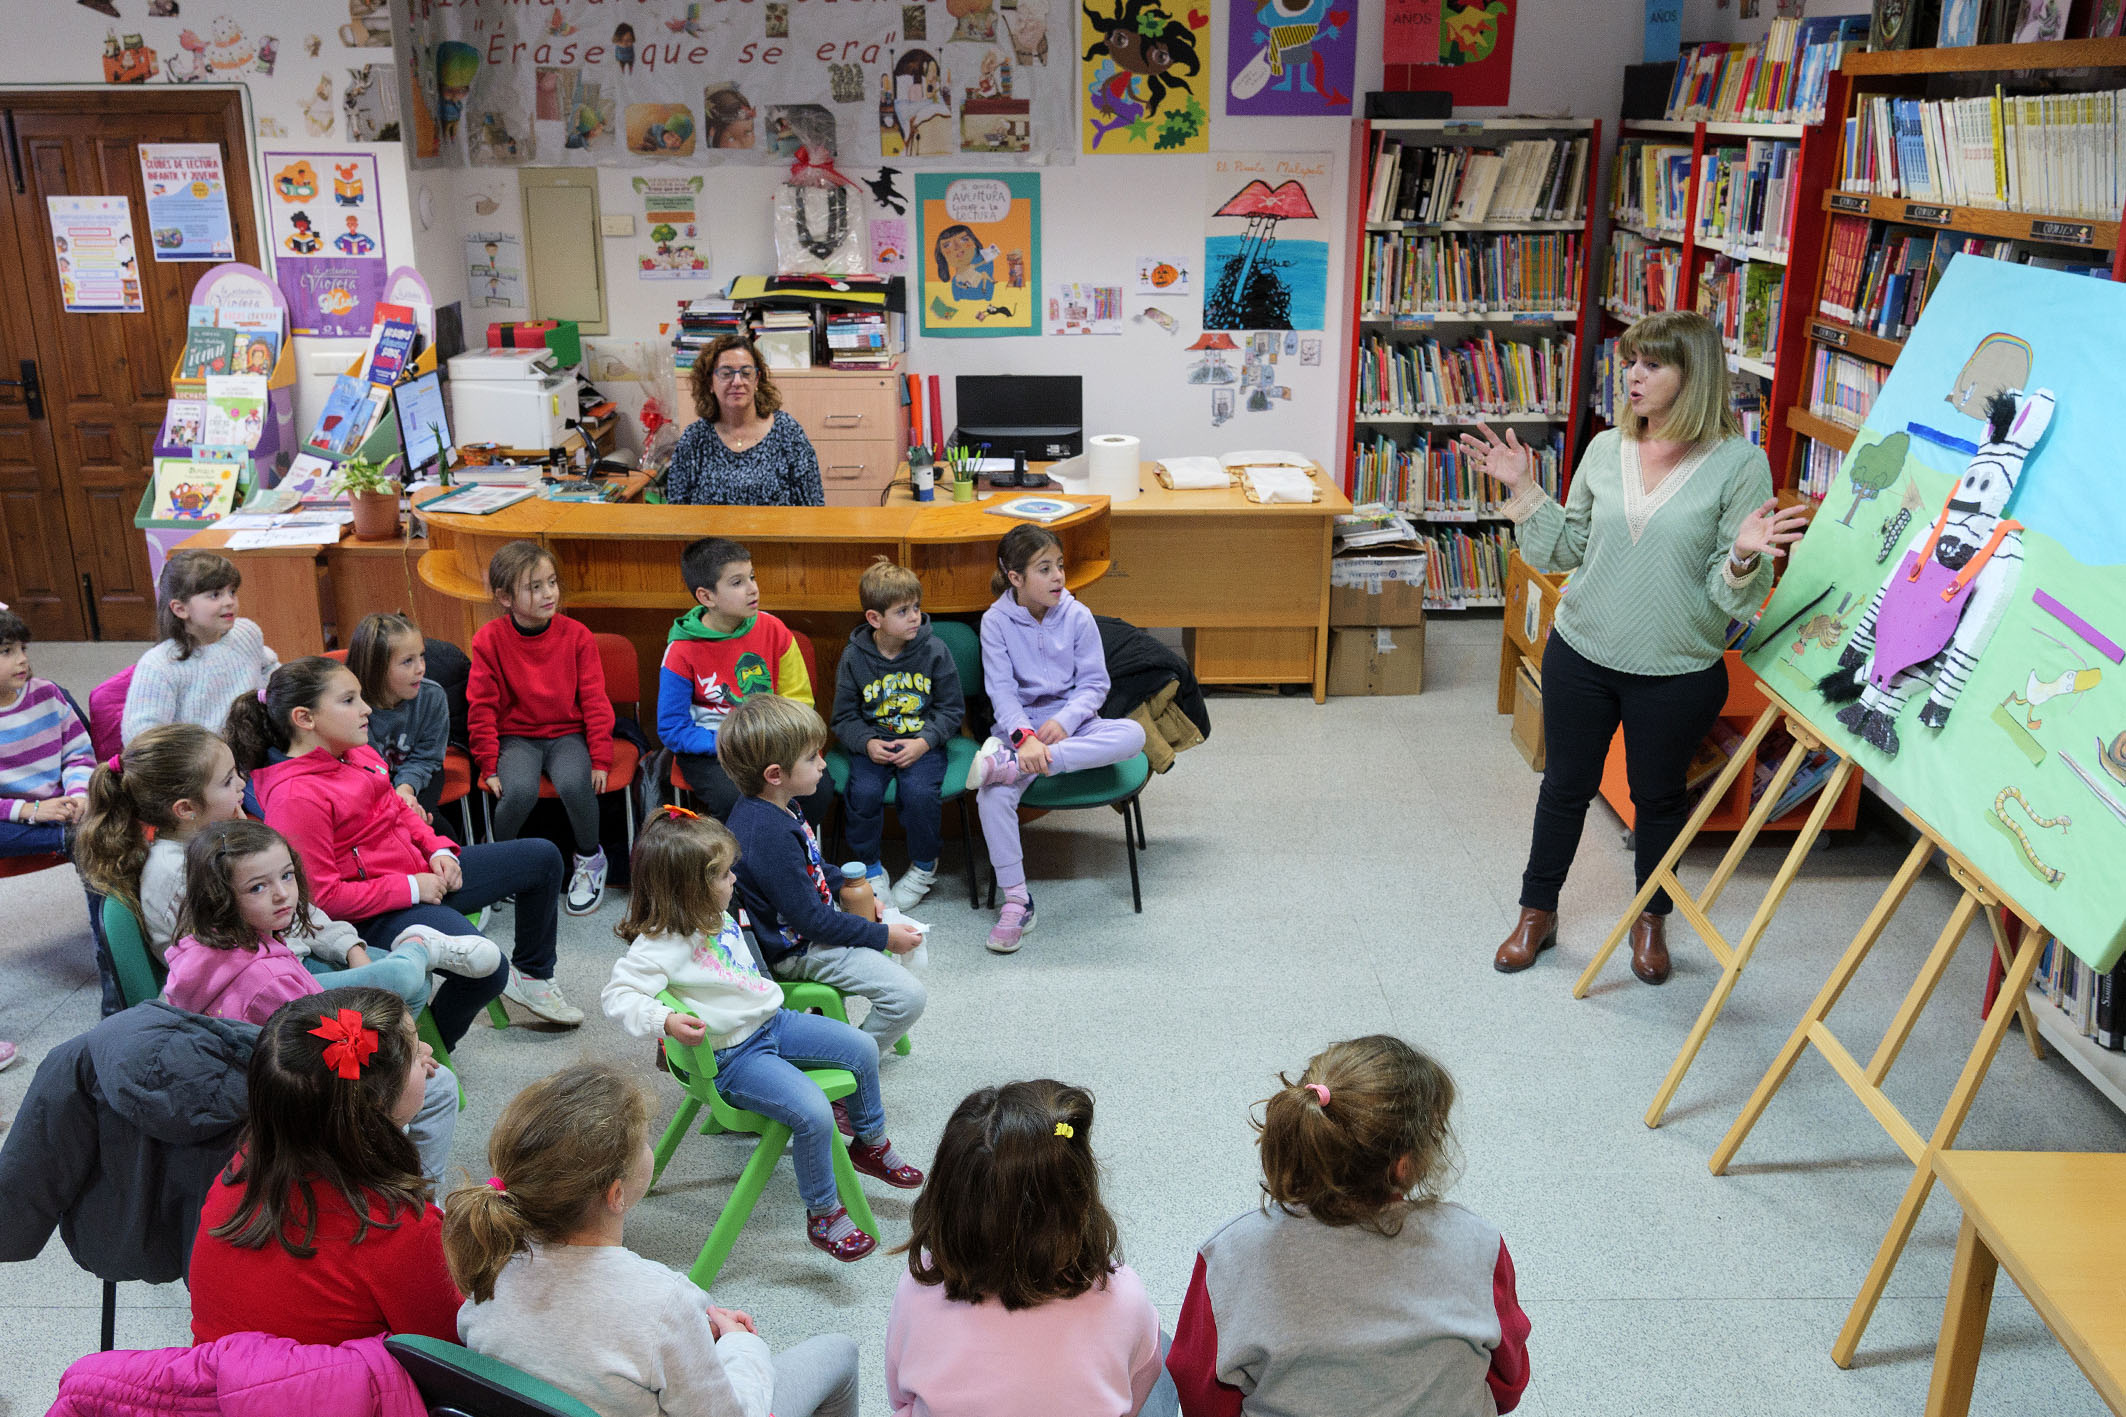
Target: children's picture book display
{"x": 235, "y": 411}
{"x": 199, "y": 488}
{"x": 1977, "y": 667}
{"x": 327, "y": 234}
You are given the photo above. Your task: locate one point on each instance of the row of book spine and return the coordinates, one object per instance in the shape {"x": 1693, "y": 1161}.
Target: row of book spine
{"x": 1640, "y": 276}
{"x": 1877, "y": 277}
{"x": 1431, "y": 478}
{"x": 1819, "y": 467}
{"x": 1463, "y": 566}
{"x": 1483, "y": 375}
{"x": 1649, "y": 186}
{"x": 1783, "y": 77}
{"x": 1842, "y": 387}
{"x": 2094, "y": 1003}
{"x": 1535, "y": 179}
{"x": 2055, "y": 154}
{"x": 1743, "y": 298}
{"x": 1406, "y": 273}
{"x": 1747, "y": 196}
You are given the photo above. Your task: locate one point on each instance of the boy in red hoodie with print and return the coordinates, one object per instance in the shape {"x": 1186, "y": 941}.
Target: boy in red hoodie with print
{"x": 538, "y": 708}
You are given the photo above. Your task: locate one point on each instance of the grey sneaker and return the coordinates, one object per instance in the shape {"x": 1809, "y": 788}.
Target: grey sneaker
{"x": 543, "y": 997}
{"x": 587, "y": 886}
{"x": 472, "y": 956}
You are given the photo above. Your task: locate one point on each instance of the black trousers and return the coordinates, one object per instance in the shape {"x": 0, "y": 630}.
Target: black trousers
{"x": 1665, "y": 717}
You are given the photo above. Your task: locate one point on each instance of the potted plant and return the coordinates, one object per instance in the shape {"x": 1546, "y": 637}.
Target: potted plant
{"x": 373, "y": 488}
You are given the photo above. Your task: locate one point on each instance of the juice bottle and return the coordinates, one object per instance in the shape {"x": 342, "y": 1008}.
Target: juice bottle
{"x": 857, "y": 898}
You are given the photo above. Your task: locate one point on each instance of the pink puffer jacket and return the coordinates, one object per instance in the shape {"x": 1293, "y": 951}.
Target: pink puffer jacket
{"x": 243, "y": 1375}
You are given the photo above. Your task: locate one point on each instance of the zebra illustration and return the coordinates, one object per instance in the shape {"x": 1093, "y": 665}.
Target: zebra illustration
{"x": 1931, "y": 620}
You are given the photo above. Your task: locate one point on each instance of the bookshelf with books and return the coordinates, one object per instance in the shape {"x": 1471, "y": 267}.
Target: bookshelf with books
{"x": 1471, "y": 242}
{"x": 2012, "y": 152}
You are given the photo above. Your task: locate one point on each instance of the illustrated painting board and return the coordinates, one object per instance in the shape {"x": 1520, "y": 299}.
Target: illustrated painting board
{"x": 1265, "y": 248}
{"x": 1460, "y": 47}
{"x": 978, "y": 245}
{"x": 2040, "y": 727}
{"x": 1290, "y": 58}
{"x": 1145, "y": 77}
{"x": 328, "y": 239}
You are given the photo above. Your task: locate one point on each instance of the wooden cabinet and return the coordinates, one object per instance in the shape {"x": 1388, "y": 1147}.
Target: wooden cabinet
{"x": 852, "y": 416}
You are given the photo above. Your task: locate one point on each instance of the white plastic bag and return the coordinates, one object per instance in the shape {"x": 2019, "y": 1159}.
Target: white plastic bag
{"x": 821, "y": 230}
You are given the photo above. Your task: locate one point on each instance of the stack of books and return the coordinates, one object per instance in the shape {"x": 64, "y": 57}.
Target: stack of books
{"x": 1878, "y": 277}
{"x": 701, "y": 323}
{"x": 2055, "y": 154}
{"x": 1783, "y": 77}
{"x": 1538, "y": 179}
{"x": 1743, "y": 299}
{"x": 1431, "y": 479}
{"x": 1641, "y": 275}
{"x": 1483, "y": 376}
{"x": 1466, "y": 567}
{"x": 784, "y": 337}
{"x": 1842, "y": 387}
{"x": 1747, "y": 196}
{"x": 1405, "y": 273}
{"x": 860, "y": 339}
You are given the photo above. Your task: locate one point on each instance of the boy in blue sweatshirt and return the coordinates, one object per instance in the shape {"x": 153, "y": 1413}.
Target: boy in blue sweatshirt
{"x": 896, "y": 704}
{"x": 771, "y": 747}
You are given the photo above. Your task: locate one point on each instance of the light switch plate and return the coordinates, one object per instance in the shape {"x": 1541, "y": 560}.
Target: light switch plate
{"x": 617, "y": 223}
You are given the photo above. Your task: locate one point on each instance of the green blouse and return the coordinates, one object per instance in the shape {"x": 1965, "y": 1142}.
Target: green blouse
{"x": 1653, "y": 591}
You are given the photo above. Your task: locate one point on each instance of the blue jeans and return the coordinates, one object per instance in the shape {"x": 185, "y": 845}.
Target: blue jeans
{"x": 531, "y": 870}
{"x": 917, "y": 801}
{"x": 764, "y": 1074}
{"x": 403, "y": 972}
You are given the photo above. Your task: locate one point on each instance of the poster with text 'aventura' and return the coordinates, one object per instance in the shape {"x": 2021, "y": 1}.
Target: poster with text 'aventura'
{"x": 978, "y": 242}
{"x": 1958, "y": 606}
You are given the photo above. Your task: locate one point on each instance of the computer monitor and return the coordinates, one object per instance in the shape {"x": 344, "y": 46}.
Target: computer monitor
{"x": 423, "y": 430}
{"x": 1039, "y": 415}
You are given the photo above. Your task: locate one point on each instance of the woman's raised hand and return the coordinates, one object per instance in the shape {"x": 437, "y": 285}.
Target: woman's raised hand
{"x": 1770, "y": 528}
{"x": 1504, "y": 461}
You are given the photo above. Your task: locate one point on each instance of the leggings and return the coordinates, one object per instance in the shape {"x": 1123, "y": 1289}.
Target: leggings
{"x": 1098, "y": 743}
{"x": 566, "y": 763}
{"x": 1665, "y": 717}
{"x": 816, "y": 1378}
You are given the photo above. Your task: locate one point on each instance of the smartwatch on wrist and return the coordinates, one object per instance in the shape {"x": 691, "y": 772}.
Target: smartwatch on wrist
{"x": 1019, "y": 736}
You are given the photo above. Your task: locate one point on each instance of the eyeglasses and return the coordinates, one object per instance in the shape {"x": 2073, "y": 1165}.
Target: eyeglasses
{"x": 733, "y": 374}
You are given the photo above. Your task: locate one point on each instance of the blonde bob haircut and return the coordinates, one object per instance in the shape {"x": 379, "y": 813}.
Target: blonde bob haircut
{"x": 1689, "y": 343}
{"x": 764, "y": 731}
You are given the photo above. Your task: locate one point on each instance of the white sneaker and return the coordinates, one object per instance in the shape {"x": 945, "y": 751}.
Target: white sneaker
{"x": 473, "y": 956}
{"x": 993, "y": 763}
{"x": 909, "y": 890}
{"x": 543, "y": 997}
{"x": 587, "y": 886}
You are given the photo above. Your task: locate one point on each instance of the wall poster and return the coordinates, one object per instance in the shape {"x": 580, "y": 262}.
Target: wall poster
{"x": 92, "y": 237}
{"x": 188, "y": 202}
{"x": 1460, "y": 47}
{"x": 1290, "y": 57}
{"x": 1144, "y": 76}
{"x": 327, "y": 238}
{"x": 673, "y": 246}
{"x": 978, "y": 242}
{"x": 1265, "y": 247}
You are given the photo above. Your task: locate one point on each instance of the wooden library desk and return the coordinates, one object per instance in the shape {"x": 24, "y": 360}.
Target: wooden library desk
{"x": 620, "y": 562}
{"x": 1248, "y": 583}
{"x": 2050, "y": 1218}
{"x": 309, "y": 598}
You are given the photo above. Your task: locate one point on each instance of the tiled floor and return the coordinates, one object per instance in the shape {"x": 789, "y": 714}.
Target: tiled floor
{"x": 1315, "y": 873}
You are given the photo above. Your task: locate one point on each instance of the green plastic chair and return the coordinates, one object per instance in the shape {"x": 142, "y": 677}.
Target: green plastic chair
{"x": 805, "y": 995}
{"x": 695, "y": 1069}
{"x": 1118, "y": 785}
{"x": 458, "y": 1380}
{"x": 140, "y": 976}
{"x": 965, "y": 647}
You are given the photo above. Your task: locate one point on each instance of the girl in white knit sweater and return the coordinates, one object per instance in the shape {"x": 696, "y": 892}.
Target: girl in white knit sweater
{"x": 681, "y": 938}
{"x": 206, "y": 655}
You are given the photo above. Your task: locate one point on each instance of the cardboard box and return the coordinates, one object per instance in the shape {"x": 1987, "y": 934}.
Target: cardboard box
{"x": 1527, "y": 731}
{"x": 1383, "y": 585}
{"x": 1383, "y": 659}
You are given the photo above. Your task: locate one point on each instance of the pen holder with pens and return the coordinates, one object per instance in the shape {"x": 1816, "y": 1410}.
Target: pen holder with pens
{"x": 960, "y": 462}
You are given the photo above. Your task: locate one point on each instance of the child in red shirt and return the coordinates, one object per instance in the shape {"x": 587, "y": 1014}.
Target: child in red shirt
{"x": 538, "y": 708}
{"x": 321, "y": 1229}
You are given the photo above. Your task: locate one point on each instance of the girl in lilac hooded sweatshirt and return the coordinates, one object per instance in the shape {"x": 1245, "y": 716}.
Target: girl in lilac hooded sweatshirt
{"x": 1046, "y": 677}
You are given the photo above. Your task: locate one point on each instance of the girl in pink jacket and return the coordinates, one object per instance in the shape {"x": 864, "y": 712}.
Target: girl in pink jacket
{"x": 244, "y": 891}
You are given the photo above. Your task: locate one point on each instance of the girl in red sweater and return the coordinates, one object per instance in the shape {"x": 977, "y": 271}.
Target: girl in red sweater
{"x": 373, "y": 860}
{"x": 321, "y": 1229}
{"x": 537, "y": 708}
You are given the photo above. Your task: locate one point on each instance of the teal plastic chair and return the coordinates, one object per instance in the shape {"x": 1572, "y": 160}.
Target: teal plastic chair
{"x": 695, "y": 1069}
{"x": 965, "y": 647}
{"x": 806, "y": 996}
{"x": 457, "y": 1380}
{"x": 140, "y": 976}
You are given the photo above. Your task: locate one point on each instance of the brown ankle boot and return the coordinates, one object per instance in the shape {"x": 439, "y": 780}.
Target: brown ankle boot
{"x": 1535, "y": 932}
{"x": 1649, "y": 948}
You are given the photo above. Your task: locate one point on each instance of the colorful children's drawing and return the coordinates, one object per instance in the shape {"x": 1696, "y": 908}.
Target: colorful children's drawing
{"x": 1261, "y": 276}
{"x": 1143, "y": 76}
{"x": 1291, "y": 57}
{"x": 978, "y": 239}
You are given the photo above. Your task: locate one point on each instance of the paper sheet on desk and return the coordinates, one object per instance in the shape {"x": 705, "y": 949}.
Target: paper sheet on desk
{"x": 307, "y": 535}
{"x": 1194, "y": 474}
{"x": 1278, "y": 484}
{"x": 271, "y": 521}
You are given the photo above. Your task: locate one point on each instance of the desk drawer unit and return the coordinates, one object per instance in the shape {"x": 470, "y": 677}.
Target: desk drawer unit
{"x": 854, "y": 420}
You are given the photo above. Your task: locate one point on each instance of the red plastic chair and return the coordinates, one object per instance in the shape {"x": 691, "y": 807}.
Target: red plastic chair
{"x": 31, "y": 865}
{"x": 616, "y": 660}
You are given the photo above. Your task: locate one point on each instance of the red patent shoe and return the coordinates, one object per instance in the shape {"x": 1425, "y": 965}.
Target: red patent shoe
{"x": 871, "y": 1160}
{"x": 851, "y": 1247}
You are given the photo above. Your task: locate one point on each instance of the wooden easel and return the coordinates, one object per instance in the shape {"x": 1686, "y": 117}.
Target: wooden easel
{"x": 1979, "y": 895}
{"x": 1735, "y": 957}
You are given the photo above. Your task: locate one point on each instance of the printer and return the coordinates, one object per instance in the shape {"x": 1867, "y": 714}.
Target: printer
{"x": 515, "y": 397}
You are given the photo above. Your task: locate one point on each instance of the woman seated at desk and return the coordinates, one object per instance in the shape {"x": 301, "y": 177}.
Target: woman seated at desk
{"x": 744, "y": 450}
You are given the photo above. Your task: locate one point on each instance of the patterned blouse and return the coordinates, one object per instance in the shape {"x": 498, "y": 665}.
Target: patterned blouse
{"x": 781, "y": 470}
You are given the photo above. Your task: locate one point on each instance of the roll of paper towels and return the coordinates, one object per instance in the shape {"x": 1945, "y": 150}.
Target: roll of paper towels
{"x": 1111, "y": 462}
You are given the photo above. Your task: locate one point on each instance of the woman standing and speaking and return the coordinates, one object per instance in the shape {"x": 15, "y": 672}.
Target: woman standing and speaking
{"x": 1671, "y": 530}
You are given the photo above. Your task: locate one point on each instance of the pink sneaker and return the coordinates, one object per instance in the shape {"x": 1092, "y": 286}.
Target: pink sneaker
{"x": 993, "y": 764}
{"x": 1013, "y": 921}
{"x": 7, "y": 1054}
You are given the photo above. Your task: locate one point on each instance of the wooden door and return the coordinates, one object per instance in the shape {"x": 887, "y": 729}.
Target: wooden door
{"x": 104, "y": 379}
